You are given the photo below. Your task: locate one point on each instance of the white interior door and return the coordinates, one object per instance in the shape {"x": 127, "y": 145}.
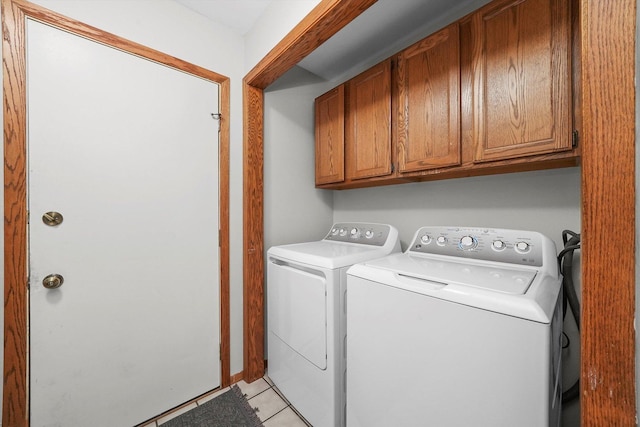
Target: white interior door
{"x": 127, "y": 151}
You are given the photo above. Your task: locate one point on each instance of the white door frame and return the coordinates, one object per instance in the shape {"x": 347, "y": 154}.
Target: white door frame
{"x": 16, "y": 310}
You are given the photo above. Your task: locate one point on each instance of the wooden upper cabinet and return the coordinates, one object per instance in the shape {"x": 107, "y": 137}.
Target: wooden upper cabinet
{"x": 428, "y": 112}
{"x": 368, "y": 127}
{"x": 490, "y": 93}
{"x": 521, "y": 78}
{"x": 329, "y": 111}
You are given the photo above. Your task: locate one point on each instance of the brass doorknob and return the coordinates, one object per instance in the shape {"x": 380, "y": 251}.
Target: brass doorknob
{"x": 53, "y": 281}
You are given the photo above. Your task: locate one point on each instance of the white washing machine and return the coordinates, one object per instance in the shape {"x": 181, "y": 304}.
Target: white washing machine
{"x": 463, "y": 329}
{"x": 306, "y": 285}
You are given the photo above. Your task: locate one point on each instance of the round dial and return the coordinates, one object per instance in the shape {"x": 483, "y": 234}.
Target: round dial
{"x": 522, "y": 247}
{"x": 426, "y": 239}
{"x": 441, "y": 240}
{"x": 334, "y": 231}
{"x": 498, "y": 245}
{"x": 354, "y": 233}
{"x": 468, "y": 243}
{"x": 343, "y": 232}
{"x": 368, "y": 234}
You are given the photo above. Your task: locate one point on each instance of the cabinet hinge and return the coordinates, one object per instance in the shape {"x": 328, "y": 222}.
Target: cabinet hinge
{"x": 574, "y": 139}
{"x": 393, "y": 168}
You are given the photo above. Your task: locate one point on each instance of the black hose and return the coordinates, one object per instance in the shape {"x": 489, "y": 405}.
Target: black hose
{"x": 570, "y": 297}
{"x": 567, "y": 279}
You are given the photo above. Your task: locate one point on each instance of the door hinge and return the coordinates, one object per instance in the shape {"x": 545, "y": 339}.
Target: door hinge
{"x": 218, "y": 117}
{"x": 574, "y": 139}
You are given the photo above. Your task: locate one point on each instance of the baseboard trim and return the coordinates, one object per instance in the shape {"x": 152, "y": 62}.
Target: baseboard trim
{"x": 236, "y": 377}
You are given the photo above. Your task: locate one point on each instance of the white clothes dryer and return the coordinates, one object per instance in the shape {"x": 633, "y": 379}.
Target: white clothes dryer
{"x": 463, "y": 329}
{"x": 306, "y": 285}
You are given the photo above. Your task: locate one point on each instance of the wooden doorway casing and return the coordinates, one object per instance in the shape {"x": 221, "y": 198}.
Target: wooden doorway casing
{"x": 15, "y": 410}
{"x": 607, "y": 88}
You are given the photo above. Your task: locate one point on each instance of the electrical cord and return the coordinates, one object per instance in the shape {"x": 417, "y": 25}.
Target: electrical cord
{"x": 569, "y": 295}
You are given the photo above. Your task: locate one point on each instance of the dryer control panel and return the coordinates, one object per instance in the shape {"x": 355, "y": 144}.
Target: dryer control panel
{"x": 488, "y": 244}
{"x": 358, "y": 232}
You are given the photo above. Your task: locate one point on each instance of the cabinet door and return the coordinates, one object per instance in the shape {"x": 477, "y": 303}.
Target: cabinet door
{"x": 368, "y": 136}
{"x": 521, "y": 78}
{"x": 428, "y": 118}
{"x": 329, "y": 110}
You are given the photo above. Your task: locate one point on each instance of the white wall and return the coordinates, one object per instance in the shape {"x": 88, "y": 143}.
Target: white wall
{"x": 275, "y": 22}
{"x": 544, "y": 201}
{"x": 294, "y": 211}
{"x": 169, "y": 27}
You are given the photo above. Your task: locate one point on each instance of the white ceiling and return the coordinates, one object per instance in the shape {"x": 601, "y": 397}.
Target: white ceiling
{"x": 380, "y": 31}
{"x": 239, "y": 15}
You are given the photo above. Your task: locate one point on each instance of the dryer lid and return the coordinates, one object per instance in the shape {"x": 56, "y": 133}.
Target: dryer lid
{"x": 326, "y": 254}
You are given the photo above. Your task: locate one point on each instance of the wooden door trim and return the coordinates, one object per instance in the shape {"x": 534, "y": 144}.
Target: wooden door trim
{"x": 15, "y": 403}
{"x": 326, "y": 19}
{"x": 607, "y": 369}
{"x": 608, "y": 203}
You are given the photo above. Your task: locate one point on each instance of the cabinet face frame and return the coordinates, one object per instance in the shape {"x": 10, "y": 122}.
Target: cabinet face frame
{"x": 427, "y": 81}
{"x": 329, "y": 123}
{"x": 368, "y": 123}
{"x": 536, "y": 122}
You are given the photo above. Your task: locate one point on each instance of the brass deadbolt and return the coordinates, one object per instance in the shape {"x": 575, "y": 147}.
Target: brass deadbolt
{"x": 52, "y": 218}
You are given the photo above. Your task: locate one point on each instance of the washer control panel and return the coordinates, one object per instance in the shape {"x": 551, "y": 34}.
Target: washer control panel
{"x": 488, "y": 244}
{"x": 357, "y": 232}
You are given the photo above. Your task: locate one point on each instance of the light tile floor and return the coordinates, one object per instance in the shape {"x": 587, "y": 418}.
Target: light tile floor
{"x": 271, "y": 407}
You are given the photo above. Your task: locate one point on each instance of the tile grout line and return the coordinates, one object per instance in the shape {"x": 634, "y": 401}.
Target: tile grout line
{"x": 254, "y": 409}
{"x": 264, "y": 421}
{"x": 288, "y": 404}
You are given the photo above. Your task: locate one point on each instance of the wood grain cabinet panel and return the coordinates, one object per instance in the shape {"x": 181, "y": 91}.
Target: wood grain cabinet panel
{"x": 493, "y": 92}
{"x": 428, "y": 115}
{"x": 368, "y": 126}
{"x": 329, "y": 112}
{"x": 521, "y": 78}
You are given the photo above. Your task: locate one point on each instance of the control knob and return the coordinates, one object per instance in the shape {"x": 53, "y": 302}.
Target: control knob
{"x": 467, "y": 243}
{"x": 355, "y": 233}
{"x": 368, "y": 234}
{"x": 426, "y": 239}
{"x": 441, "y": 240}
{"x": 522, "y": 247}
{"x": 498, "y": 245}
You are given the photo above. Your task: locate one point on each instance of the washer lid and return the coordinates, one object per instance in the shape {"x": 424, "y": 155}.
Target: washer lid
{"x": 490, "y": 276}
{"x": 326, "y": 254}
